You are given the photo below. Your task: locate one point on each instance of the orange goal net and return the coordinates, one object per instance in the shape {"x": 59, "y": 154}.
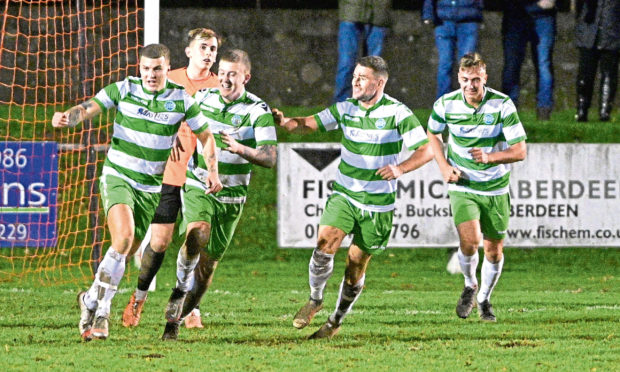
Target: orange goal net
{"x": 55, "y": 54}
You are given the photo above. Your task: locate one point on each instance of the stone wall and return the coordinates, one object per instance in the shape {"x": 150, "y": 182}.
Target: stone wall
{"x": 294, "y": 53}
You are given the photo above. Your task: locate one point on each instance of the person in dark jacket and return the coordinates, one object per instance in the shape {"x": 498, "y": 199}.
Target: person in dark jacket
{"x": 597, "y": 35}
{"x": 532, "y": 21}
{"x": 363, "y": 24}
{"x": 456, "y": 29}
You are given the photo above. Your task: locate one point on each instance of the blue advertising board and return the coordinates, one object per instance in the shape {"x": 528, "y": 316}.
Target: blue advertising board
{"x": 28, "y": 191}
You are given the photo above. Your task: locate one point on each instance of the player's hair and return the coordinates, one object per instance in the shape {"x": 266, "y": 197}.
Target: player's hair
{"x": 155, "y": 51}
{"x": 472, "y": 60}
{"x": 235, "y": 56}
{"x": 376, "y": 63}
{"x": 202, "y": 33}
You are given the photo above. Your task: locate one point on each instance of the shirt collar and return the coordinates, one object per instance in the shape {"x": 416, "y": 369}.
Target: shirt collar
{"x": 484, "y": 98}
{"x": 241, "y": 98}
{"x": 373, "y": 107}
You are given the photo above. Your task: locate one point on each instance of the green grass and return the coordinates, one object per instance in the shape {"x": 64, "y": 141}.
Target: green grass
{"x": 557, "y": 310}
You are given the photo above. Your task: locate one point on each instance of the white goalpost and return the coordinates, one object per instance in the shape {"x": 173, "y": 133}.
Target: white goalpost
{"x": 151, "y": 36}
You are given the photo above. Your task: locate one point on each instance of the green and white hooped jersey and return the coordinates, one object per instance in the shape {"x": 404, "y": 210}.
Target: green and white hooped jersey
{"x": 493, "y": 127}
{"x": 145, "y": 128}
{"x": 249, "y": 121}
{"x": 371, "y": 138}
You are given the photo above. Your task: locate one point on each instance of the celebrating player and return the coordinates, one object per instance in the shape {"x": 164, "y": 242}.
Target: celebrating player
{"x": 149, "y": 112}
{"x": 374, "y": 127}
{"x": 202, "y": 47}
{"x": 246, "y": 135}
{"x": 486, "y": 135}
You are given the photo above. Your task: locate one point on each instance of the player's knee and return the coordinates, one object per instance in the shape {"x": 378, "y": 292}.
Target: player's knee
{"x": 493, "y": 254}
{"x": 160, "y": 244}
{"x": 493, "y": 257}
{"x": 326, "y": 245}
{"x": 469, "y": 247}
{"x": 197, "y": 238}
{"x": 123, "y": 240}
{"x": 329, "y": 240}
{"x": 470, "y": 242}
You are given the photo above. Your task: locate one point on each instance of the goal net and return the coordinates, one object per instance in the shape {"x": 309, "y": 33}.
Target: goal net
{"x": 53, "y": 55}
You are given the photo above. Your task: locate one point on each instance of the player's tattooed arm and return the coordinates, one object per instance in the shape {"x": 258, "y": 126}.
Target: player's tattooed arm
{"x": 209, "y": 150}
{"x": 264, "y": 155}
{"x": 76, "y": 114}
{"x": 83, "y": 111}
{"x": 212, "y": 163}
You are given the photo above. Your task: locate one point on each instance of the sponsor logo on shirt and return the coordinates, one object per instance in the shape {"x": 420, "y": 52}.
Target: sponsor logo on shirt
{"x": 160, "y": 116}
{"x": 361, "y": 135}
{"x": 169, "y": 105}
{"x": 488, "y": 119}
{"x": 464, "y": 129}
{"x": 236, "y": 120}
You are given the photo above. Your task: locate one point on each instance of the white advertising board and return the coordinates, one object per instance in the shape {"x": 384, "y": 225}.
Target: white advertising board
{"x": 562, "y": 195}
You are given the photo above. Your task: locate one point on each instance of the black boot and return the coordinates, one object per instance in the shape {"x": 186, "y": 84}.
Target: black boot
{"x": 583, "y": 101}
{"x": 606, "y": 97}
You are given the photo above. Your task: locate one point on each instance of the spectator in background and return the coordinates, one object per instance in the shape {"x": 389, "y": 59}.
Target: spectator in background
{"x": 598, "y": 39}
{"x": 456, "y": 28}
{"x": 532, "y": 21}
{"x": 362, "y": 23}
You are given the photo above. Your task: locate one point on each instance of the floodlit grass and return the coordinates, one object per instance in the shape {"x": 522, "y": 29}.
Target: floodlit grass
{"x": 557, "y": 309}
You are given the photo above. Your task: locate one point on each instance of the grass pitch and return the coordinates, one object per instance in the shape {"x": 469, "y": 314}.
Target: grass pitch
{"x": 557, "y": 309}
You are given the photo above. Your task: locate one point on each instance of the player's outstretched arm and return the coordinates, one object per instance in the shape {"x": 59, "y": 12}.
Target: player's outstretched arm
{"x": 299, "y": 125}
{"x": 420, "y": 156}
{"x": 514, "y": 153}
{"x": 450, "y": 174}
{"x": 76, "y": 114}
{"x": 264, "y": 155}
{"x": 210, "y": 156}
